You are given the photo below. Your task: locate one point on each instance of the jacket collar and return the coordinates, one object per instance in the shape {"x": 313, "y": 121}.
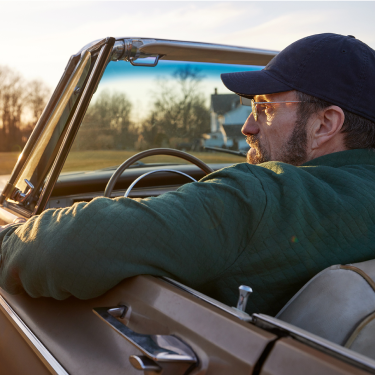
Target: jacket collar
{"x": 344, "y": 158}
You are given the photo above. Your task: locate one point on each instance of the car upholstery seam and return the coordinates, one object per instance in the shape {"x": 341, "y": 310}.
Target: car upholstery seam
{"x": 361, "y": 273}
{"x": 358, "y": 329}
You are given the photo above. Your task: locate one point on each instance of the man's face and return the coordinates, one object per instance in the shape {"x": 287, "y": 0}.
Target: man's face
{"x": 278, "y": 135}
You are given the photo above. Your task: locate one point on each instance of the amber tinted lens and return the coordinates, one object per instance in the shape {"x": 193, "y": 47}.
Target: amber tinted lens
{"x": 254, "y": 110}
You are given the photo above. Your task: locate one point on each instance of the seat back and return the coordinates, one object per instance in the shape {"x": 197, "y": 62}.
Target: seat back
{"x": 338, "y": 304}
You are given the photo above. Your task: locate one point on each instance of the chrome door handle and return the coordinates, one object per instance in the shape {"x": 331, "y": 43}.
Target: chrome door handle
{"x": 168, "y": 354}
{"x": 141, "y": 362}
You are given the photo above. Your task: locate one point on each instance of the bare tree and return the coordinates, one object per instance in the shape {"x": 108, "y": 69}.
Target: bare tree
{"x": 179, "y": 110}
{"x": 37, "y": 95}
{"x": 12, "y": 101}
{"x": 107, "y": 123}
{"x": 21, "y": 104}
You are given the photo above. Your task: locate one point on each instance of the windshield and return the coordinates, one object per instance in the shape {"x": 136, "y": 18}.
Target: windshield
{"x": 181, "y": 105}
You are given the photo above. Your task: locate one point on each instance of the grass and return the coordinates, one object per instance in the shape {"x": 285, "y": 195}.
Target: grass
{"x": 92, "y": 160}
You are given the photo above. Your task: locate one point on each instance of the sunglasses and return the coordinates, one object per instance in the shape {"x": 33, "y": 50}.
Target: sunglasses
{"x": 258, "y": 107}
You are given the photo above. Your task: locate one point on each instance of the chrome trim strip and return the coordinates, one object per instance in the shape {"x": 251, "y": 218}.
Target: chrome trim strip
{"x": 53, "y": 365}
{"x": 223, "y": 307}
{"x": 318, "y": 342}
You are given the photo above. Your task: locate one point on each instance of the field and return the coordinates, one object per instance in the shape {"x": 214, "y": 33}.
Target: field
{"x": 91, "y": 160}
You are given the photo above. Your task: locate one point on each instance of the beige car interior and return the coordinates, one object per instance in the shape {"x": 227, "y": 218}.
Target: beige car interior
{"x": 67, "y": 337}
{"x": 338, "y": 304}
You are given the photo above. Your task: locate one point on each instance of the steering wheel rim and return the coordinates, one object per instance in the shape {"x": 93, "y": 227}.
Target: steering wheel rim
{"x": 154, "y": 151}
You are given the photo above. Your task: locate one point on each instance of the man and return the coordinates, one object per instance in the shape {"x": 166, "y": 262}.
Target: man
{"x": 304, "y": 201}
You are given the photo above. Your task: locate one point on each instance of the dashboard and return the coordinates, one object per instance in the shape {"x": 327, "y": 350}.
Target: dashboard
{"x": 84, "y": 186}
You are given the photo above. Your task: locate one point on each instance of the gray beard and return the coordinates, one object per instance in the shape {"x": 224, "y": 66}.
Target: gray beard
{"x": 292, "y": 152}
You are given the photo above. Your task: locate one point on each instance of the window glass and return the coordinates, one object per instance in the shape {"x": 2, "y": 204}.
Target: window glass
{"x": 39, "y": 161}
{"x": 181, "y": 105}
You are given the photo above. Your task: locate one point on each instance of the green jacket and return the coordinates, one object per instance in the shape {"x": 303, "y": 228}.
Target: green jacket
{"x": 271, "y": 226}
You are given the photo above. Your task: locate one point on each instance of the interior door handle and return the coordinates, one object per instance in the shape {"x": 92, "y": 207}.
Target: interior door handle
{"x": 169, "y": 353}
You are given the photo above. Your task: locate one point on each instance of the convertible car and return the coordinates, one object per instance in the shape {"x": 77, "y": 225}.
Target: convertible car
{"x": 140, "y": 117}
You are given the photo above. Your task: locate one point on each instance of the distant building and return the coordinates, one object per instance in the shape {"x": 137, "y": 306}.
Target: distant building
{"x": 227, "y": 118}
{"x": 232, "y": 124}
{"x": 221, "y": 104}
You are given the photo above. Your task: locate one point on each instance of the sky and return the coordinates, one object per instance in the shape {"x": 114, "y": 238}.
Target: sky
{"x": 38, "y": 37}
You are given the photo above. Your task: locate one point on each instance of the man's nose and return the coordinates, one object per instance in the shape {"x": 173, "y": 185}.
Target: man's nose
{"x": 250, "y": 127}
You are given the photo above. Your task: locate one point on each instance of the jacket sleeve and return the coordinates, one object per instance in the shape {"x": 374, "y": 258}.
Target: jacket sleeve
{"x": 192, "y": 235}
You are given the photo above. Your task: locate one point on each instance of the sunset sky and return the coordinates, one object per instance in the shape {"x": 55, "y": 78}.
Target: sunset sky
{"x": 37, "y": 37}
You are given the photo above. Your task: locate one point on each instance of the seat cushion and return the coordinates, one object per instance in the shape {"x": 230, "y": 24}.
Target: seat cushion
{"x": 334, "y": 302}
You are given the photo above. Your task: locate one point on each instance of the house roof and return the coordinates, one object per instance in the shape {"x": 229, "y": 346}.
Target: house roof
{"x": 223, "y": 103}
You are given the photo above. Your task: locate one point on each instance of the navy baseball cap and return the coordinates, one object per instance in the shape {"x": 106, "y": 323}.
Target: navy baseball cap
{"x": 336, "y": 68}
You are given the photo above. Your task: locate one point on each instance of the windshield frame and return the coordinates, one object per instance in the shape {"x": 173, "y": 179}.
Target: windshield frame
{"x": 41, "y": 157}
{"x": 9, "y": 188}
{"x": 102, "y": 57}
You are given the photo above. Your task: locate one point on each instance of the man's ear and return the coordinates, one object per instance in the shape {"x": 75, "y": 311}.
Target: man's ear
{"x": 327, "y": 126}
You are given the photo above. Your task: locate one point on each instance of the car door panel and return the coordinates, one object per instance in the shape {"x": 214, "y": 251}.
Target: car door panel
{"x": 82, "y": 343}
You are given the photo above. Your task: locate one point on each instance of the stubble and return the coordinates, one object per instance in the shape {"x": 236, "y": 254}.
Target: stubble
{"x": 292, "y": 152}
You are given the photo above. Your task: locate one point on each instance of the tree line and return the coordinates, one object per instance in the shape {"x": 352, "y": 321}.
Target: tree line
{"x": 178, "y": 115}
{"x": 21, "y": 104}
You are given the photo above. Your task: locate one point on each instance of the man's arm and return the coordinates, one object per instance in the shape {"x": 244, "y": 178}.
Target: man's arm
{"x": 192, "y": 235}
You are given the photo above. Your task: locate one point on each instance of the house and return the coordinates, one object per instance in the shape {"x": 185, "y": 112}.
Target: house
{"x": 232, "y": 123}
{"x": 227, "y": 118}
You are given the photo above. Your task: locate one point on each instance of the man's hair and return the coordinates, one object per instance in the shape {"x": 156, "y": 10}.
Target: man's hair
{"x": 360, "y": 132}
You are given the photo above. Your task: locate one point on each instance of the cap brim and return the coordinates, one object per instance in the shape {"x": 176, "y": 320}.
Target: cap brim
{"x": 252, "y": 83}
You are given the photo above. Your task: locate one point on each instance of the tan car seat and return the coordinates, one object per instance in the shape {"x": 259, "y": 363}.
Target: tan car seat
{"x": 338, "y": 304}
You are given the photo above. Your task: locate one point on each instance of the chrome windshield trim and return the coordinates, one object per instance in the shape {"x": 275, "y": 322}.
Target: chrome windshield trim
{"x": 223, "y": 307}
{"x": 42, "y": 352}
{"x": 130, "y": 49}
{"x": 348, "y": 355}
{"x": 147, "y": 40}
{"x": 94, "y": 45}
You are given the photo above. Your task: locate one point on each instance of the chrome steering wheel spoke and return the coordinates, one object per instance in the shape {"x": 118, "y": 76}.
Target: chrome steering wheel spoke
{"x": 155, "y": 151}
{"x": 148, "y": 173}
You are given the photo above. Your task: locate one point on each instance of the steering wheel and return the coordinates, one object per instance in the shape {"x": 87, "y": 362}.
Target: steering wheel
{"x": 154, "y": 151}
